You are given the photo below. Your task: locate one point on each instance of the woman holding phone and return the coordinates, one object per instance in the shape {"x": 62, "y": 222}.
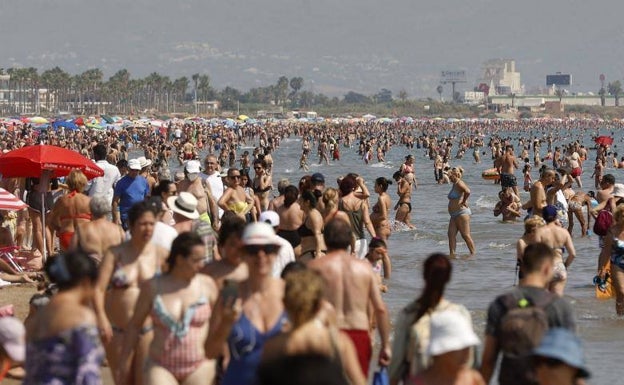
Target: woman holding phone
{"x": 248, "y": 322}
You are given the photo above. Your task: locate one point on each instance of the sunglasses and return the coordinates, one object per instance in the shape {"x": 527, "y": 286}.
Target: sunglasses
{"x": 235, "y": 176}
{"x": 268, "y": 249}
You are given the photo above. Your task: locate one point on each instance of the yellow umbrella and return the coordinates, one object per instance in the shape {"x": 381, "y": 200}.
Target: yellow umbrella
{"x": 243, "y": 117}
{"x": 39, "y": 120}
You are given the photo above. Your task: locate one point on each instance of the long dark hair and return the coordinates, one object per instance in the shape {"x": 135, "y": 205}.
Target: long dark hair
{"x": 437, "y": 273}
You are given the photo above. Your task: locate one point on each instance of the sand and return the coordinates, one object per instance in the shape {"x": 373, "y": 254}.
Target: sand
{"x": 19, "y": 295}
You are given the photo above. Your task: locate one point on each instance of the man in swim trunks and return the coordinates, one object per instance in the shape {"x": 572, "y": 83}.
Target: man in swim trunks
{"x": 508, "y": 165}
{"x": 347, "y": 279}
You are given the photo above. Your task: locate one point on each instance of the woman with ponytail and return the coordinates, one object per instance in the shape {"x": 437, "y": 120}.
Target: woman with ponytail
{"x": 63, "y": 343}
{"x": 411, "y": 337}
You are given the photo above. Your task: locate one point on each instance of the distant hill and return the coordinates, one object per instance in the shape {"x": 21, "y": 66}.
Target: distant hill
{"x": 336, "y": 46}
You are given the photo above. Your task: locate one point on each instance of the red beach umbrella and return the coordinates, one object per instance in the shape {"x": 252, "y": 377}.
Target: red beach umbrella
{"x": 10, "y": 202}
{"x": 604, "y": 140}
{"x": 31, "y": 161}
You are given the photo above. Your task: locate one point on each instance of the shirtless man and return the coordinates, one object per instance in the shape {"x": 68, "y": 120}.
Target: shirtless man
{"x": 538, "y": 192}
{"x": 351, "y": 287}
{"x": 193, "y": 184}
{"x": 557, "y": 238}
{"x": 606, "y": 188}
{"x": 508, "y": 166}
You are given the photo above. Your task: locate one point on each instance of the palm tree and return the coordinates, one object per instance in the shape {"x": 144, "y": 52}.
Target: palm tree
{"x": 615, "y": 89}
{"x": 195, "y": 78}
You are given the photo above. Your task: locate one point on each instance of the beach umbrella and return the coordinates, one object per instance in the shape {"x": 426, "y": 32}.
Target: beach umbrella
{"x": 243, "y": 117}
{"x": 108, "y": 119}
{"x": 604, "y": 140}
{"x": 79, "y": 121}
{"x": 38, "y": 120}
{"x": 10, "y": 202}
{"x": 68, "y": 124}
{"x": 45, "y": 162}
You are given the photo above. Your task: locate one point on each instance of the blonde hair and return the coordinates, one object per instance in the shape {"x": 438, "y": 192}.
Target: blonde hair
{"x": 532, "y": 223}
{"x": 303, "y": 295}
{"x": 76, "y": 180}
{"x": 330, "y": 198}
{"x": 458, "y": 171}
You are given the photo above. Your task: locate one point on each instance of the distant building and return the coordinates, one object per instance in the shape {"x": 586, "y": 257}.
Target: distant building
{"x": 501, "y": 76}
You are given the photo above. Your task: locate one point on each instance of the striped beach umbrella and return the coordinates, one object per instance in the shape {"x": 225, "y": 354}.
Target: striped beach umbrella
{"x": 9, "y": 201}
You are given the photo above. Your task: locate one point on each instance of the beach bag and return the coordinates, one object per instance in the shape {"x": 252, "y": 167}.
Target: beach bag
{"x": 381, "y": 377}
{"x": 604, "y": 220}
{"x": 604, "y": 289}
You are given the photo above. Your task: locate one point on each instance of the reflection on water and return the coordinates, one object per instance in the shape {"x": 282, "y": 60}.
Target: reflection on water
{"x": 476, "y": 281}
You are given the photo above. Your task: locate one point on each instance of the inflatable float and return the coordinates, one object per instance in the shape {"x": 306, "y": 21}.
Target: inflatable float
{"x": 490, "y": 174}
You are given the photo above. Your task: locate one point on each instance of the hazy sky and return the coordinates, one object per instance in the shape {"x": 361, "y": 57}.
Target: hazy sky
{"x": 335, "y": 45}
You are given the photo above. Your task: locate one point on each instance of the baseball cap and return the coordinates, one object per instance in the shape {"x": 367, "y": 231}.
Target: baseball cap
{"x": 12, "y": 338}
{"x": 317, "y": 177}
{"x": 192, "y": 166}
{"x": 450, "y": 331}
{"x": 549, "y": 213}
{"x": 562, "y": 345}
{"x": 259, "y": 233}
{"x": 270, "y": 217}
{"x": 134, "y": 164}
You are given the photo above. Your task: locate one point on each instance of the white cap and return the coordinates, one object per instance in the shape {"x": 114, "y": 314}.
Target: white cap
{"x": 260, "y": 233}
{"x": 134, "y": 164}
{"x": 270, "y": 217}
{"x": 192, "y": 166}
{"x": 450, "y": 331}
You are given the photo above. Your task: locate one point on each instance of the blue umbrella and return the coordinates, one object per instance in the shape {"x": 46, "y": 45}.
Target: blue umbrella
{"x": 68, "y": 124}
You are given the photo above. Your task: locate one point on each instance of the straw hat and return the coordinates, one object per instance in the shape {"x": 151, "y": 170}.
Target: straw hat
{"x": 184, "y": 204}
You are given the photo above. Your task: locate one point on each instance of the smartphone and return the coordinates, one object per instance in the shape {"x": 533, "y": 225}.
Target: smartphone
{"x": 229, "y": 292}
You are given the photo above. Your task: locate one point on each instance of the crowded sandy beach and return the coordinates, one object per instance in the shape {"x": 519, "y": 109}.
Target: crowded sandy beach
{"x": 335, "y": 251}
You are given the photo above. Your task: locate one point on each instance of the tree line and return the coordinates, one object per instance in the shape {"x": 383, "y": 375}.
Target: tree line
{"x": 89, "y": 92}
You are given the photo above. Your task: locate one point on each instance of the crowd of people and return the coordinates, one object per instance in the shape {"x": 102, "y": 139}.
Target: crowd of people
{"x": 205, "y": 276}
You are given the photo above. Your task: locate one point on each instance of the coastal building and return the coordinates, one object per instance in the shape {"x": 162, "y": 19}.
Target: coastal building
{"x": 501, "y": 77}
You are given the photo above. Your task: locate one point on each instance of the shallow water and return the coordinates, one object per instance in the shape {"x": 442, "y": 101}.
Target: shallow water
{"x": 478, "y": 280}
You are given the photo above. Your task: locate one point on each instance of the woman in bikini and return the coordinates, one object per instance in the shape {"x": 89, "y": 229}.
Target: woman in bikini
{"x": 404, "y": 205}
{"x": 291, "y": 218}
{"x": 262, "y": 183}
{"x": 380, "y": 216}
{"x": 234, "y": 197}
{"x": 311, "y": 230}
{"x": 71, "y": 209}
{"x": 124, "y": 268}
{"x": 459, "y": 211}
{"x": 180, "y": 303}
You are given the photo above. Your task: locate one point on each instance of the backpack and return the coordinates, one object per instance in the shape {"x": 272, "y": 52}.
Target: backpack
{"x": 604, "y": 220}
{"x": 524, "y": 324}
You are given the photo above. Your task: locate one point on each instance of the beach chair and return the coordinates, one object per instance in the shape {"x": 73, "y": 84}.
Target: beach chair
{"x": 7, "y": 254}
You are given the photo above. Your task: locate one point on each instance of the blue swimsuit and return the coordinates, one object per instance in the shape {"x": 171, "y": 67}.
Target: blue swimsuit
{"x": 245, "y": 343}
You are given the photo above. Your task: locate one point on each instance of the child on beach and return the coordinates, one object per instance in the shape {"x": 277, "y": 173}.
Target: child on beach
{"x": 303, "y": 162}
{"x": 380, "y": 260}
